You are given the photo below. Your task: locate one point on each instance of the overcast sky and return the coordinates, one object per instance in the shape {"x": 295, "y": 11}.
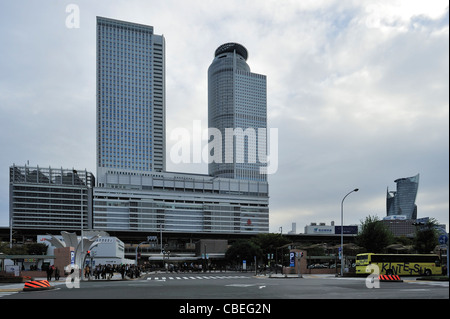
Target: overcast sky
{"x": 358, "y": 90}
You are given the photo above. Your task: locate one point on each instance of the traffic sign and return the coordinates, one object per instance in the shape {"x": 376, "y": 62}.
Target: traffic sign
{"x": 443, "y": 239}
{"x": 292, "y": 259}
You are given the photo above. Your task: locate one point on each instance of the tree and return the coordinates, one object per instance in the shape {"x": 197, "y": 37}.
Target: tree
{"x": 269, "y": 243}
{"x": 374, "y": 235}
{"x": 26, "y": 249}
{"x": 243, "y": 250}
{"x": 36, "y": 248}
{"x": 15, "y": 250}
{"x": 426, "y": 237}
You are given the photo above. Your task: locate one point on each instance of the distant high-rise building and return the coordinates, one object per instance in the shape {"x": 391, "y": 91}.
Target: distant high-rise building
{"x": 130, "y": 98}
{"x": 237, "y": 101}
{"x": 402, "y": 201}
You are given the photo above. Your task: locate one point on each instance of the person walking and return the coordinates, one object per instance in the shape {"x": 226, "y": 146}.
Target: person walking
{"x": 49, "y": 272}
{"x": 56, "y": 274}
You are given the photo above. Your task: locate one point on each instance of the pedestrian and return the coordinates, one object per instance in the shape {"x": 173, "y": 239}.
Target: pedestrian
{"x": 103, "y": 272}
{"x": 56, "y": 273}
{"x": 49, "y": 273}
{"x": 122, "y": 271}
{"x": 96, "y": 273}
{"x": 87, "y": 272}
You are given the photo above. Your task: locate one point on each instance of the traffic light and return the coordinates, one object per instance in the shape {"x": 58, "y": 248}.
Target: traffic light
{"x": 88, "y": 253}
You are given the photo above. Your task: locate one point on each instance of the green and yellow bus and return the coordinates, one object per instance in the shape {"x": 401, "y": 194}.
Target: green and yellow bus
{"x": 399, "y": 264}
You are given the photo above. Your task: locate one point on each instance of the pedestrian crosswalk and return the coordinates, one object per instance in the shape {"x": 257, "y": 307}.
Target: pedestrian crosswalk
{"x": 7, "y": 292}
{"x": 193, "y": 277}
{"x": 431, "y": 283}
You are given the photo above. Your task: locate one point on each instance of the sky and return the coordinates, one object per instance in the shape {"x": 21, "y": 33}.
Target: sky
{"x": 357, "y": 90}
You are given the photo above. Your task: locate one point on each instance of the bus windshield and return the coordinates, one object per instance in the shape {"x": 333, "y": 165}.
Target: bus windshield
{"x": 362, "y": 259}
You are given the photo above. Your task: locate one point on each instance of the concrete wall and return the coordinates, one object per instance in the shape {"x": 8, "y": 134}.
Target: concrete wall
{"x": 62, "y": 258}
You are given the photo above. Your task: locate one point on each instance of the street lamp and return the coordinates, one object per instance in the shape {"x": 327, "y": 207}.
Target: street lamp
{"x": 342, "y": 230}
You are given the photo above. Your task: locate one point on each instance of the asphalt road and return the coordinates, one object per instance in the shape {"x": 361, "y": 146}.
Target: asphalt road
{"x": 233, "y": 286}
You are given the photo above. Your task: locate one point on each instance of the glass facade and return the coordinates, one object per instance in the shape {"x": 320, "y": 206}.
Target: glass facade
{"x": 130, "y": 97}
{"x": 237, "y": 101}
{"x": 176, "y": 202}
{"x": 403, "y": 201}
{"x": 49, "y": 198}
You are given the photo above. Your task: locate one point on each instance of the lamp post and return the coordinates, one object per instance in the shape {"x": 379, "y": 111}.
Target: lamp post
{"x": 342, "y": 231}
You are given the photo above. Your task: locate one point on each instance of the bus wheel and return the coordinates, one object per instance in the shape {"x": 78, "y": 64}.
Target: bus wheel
{"x": 389, "y": 272}
{"x": 427, "y": 272}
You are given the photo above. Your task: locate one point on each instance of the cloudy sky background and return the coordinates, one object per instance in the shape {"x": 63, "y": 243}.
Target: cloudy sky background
{"x": 358, "y": 90}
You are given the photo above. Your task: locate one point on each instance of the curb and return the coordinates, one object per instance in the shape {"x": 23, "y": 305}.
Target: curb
{"x": 11, "y": 289}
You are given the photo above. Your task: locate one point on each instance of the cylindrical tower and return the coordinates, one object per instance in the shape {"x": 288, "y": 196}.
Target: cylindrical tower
{"x": 236, "y": 100}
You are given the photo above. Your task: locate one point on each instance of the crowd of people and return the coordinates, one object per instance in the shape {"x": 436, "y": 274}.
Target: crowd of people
{"x": 130, "y": 271}
{"x": 52, "y": 270}
{"x": 101, "y": 271}
{"x": 107, "y": 271}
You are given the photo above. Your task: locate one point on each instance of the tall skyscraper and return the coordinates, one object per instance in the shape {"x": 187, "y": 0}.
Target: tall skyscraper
{"x": 130, "y": 98}
{"x": 237, "y": 102}
{"x": 403, "y": 201}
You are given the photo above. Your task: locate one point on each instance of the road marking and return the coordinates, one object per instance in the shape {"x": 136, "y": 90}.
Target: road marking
{"x": 240, "y": 285}
{"x": 197, "y": 277}
{"x": 7, "y": 293}
{"x": 431, "y": 283}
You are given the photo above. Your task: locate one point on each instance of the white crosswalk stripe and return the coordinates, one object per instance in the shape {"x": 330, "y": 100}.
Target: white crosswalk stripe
{"x": 157, "y": 278}
{"x": 7, "y": 293}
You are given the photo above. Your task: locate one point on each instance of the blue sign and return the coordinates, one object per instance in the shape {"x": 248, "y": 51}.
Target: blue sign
{"x": 443, "y": 239}
{"x": 353, "y": 229}
{"x": 72, "y": 258}
{"x": 292, "y": 259}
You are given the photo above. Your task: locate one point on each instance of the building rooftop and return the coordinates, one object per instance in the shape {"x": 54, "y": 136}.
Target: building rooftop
{"x": 231, "y": 47}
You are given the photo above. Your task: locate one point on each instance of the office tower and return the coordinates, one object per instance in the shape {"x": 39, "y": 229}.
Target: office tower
{"x": 153, "y": 200}
{"x": 402, "y": 201}
{"x": 50, "y": 198}
{"x": 130, "y": 98}
{"x": 236, "y": 102}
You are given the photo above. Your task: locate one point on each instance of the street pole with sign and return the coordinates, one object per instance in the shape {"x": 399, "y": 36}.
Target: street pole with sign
{"x": 443, "y": 240}
{"x": 299, "y": 256}
{"x": 341, "y": 252}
